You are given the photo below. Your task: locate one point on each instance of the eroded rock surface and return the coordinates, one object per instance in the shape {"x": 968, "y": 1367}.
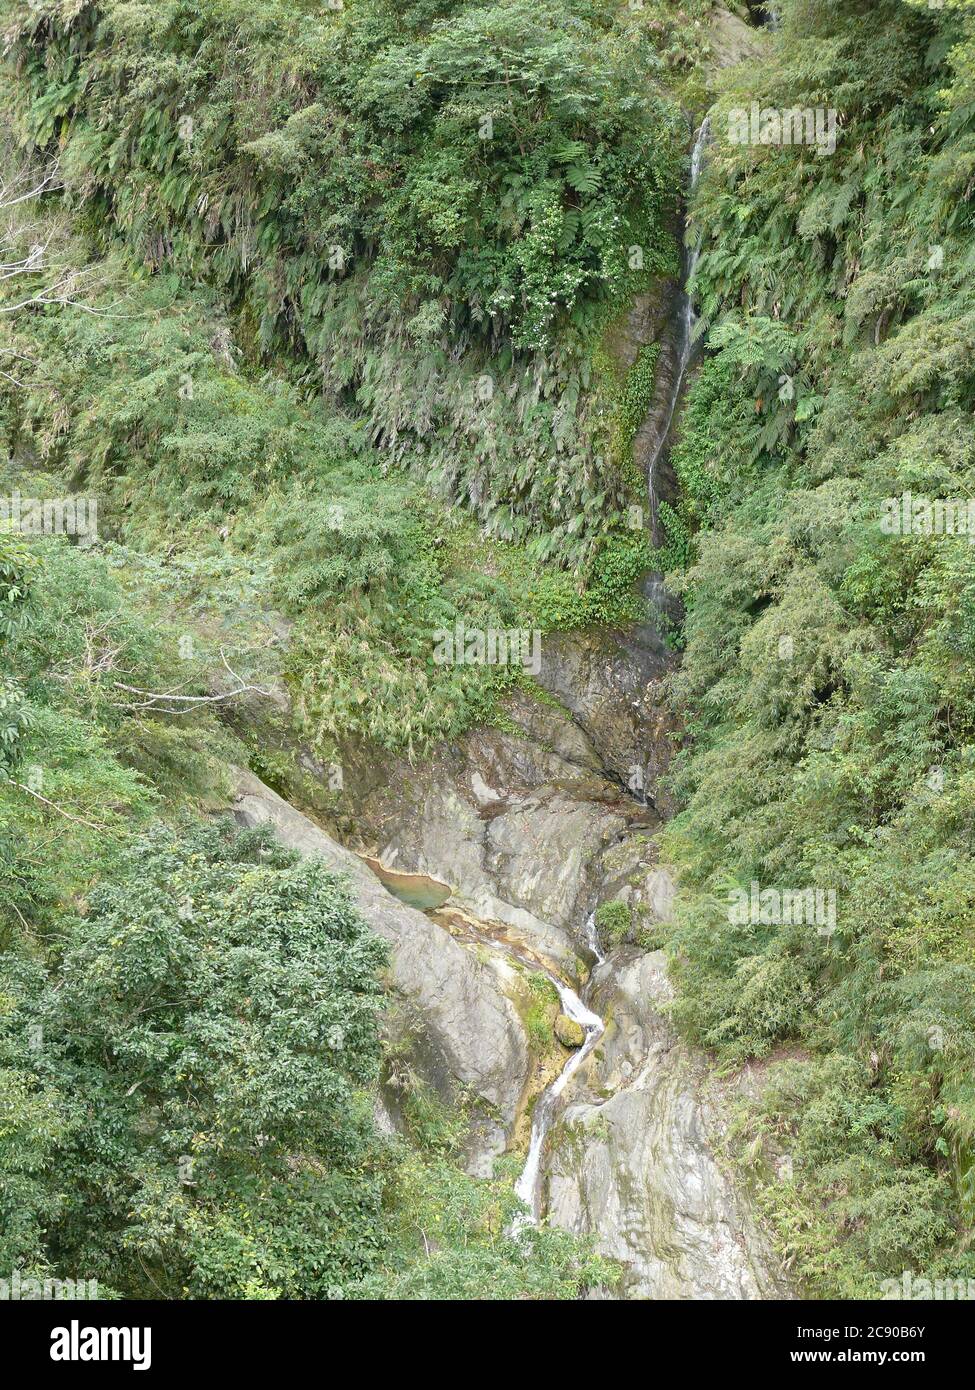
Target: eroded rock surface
{"x": 610, "y": 685}
{"x": 534, "y": 830}
{"x": 465, "y": 1030}
{"x": 533, "y": 827}
{"x": 515, "y": 823}
{"x": 632, "y": 1159}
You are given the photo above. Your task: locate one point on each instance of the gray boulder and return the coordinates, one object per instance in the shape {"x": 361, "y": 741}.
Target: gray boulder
{"x": 466, "y": 1032}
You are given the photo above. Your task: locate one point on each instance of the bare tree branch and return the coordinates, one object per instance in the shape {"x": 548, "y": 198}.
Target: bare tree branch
{"x": 10, "y": 198}
{"x": 164, "y": 701}
{"x": 28, "y": 252}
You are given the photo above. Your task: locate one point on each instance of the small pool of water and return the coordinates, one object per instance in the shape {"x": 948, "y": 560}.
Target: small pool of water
{"x": 416, "y": 890}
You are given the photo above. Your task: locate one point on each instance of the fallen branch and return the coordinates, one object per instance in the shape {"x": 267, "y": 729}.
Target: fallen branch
{"x": 157, "y": 700}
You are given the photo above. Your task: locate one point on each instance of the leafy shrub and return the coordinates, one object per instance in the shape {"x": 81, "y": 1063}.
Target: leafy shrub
{"x": 615, "y": 921}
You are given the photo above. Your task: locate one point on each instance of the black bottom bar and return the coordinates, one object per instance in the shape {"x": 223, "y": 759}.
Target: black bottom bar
{"x": 728, "y": 1338}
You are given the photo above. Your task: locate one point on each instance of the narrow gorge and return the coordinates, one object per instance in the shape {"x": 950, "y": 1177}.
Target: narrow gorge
{"x": 509, "y": 842}
{"x": 487, "y": 634}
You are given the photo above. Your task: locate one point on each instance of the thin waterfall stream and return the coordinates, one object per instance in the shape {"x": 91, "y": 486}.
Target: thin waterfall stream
{"x": 528, "y": 1185}
{"x": 430, "y": 895}
{"x": 575, "y": 1006}
{"x": 685, "y": 319}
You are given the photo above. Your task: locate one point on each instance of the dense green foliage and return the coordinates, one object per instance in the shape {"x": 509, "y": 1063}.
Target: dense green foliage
{"x": 274, "y": 501}
{"x": 335, "y": 359}
{"x": 827, "y": 681}
{"x": 433, "y": 305}
{"x": 432, "y": 209}
{"x": 354, "y": 272}
{"x": 83, "y": 760}
{"x": 188, "y": 1034}
{"x": 195, "y": 1055}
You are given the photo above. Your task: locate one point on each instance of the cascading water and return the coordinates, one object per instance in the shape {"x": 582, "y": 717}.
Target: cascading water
{"x": 527, "y": 1185}
{"x": 685, "y": 319}
{"x": 591, "y": 937}
{"x": 417, "y": 888}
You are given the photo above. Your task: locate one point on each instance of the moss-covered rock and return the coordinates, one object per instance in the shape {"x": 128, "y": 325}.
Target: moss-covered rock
{"x": 568, "y": 1032}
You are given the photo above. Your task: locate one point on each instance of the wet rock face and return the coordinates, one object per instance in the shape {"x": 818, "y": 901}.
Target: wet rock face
{"x": 611, "y": 686}
{"x": 463, "y": 1029}
{"x": 632, "y": 1157}
{"x": 646, "y": 321}
{"x": 736, "y": 33}
{"x": 533, "y": 831}
{"x": 568, "y": 1032}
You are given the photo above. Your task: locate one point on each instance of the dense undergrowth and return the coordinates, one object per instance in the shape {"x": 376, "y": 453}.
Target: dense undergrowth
{"x": 430, "y": 212}
{"x": 370, "y": 253}
{"x": 827, "y": 678}
{"x": 227, "y": 471}
{"x": 331, "y": 363}
{"x": 354, "y": 272}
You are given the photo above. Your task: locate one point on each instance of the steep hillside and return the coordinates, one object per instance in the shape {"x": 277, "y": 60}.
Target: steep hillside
{"x": 826, "y": 682}
{"x": 316, "y": 307}
{"x": 361, "y": 325}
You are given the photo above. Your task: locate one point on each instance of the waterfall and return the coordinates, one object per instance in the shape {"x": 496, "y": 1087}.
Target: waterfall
{"x": 527, "y": 1185}
{"x": 590, "y": 935}
{"x": 685, "y": 320}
